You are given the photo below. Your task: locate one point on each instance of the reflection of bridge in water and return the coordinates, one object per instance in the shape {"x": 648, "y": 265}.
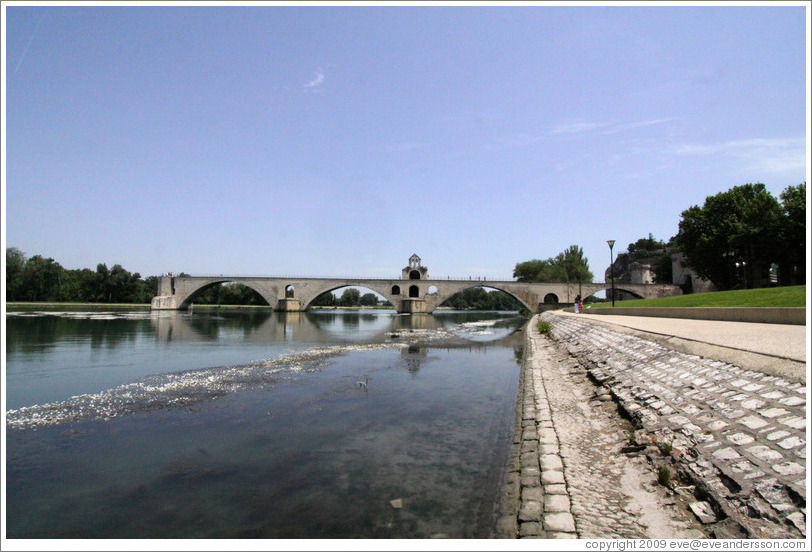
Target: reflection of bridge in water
{"x": 414, "y": 292}
{"x": 308, "y": 327}
{"x": 415, "y": 335}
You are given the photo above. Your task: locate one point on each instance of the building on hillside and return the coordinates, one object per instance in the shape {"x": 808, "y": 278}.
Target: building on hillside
{"x": 685, "y": 277}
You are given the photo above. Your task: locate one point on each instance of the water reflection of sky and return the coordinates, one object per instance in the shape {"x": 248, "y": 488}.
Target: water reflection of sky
{"x": 84, "y": 365}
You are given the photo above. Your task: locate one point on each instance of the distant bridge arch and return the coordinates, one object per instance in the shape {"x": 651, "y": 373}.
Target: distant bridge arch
{"x": 499, "y": 286}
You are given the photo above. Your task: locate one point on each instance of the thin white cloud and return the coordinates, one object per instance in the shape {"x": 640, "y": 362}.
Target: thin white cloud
{"x": 773, "y": 155}
{"x": 575, "y": 128}
{"x": 637, "y": 124}
{"x": 606, "y": 128}
{"x": 317, "y": 81}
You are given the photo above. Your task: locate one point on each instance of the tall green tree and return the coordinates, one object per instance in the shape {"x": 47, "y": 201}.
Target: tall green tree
{"x": 351, "y": 297}
{"x": 15, "y": 265}
{"x": 732, "y": 239}
{"x": 41, "y": 279}
{"x": 793, "y": 269}
{"x": 368, "y": 300}
{"x": 569, "y": 266}
{"x": 574, "y": 265}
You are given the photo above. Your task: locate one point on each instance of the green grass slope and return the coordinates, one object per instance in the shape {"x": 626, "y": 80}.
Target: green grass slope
{"x": 790, "y": 296}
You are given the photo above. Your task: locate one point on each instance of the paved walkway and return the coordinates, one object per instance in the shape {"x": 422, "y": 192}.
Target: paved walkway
{"x": 777, "y": 349}
{"x": 729, "y": 443}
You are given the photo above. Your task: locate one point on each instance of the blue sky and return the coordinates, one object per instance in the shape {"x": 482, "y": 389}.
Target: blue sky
{"x": 337, "y": 141}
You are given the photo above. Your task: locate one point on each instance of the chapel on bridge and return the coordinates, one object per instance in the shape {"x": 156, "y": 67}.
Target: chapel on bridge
{"x": 415, "y": 270}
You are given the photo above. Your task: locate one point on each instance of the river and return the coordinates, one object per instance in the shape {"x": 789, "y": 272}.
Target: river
{"x": 257, "y": 424}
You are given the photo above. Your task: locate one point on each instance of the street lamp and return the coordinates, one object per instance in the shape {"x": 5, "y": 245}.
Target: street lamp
{"x": 742, "y": 264}
{"x": 612, "y": 268}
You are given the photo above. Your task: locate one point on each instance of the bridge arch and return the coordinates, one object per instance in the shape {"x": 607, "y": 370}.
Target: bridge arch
{"x": 608, "y": 290}
{"x": 198, "y": 291}
{"x": 551, "y": 298}
{"x": 460, "y": 289}
{"x": 384, "y": 291}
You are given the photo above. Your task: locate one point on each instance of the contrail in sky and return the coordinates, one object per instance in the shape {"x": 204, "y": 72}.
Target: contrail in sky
{"x": 30, "y": 40}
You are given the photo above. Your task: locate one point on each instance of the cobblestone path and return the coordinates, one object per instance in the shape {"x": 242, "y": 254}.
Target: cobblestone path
{"x": 738, "y": 436}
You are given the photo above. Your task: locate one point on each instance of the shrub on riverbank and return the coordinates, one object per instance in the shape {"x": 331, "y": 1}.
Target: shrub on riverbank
{"x": 545, "y": 328}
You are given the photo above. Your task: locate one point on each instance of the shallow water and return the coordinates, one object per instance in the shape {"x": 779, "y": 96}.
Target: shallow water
{"x": 262, "y": 425}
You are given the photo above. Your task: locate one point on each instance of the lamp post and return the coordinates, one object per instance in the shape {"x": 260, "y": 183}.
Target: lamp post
{"x": 612, "y": 268}
{"x": 743, "y": 265}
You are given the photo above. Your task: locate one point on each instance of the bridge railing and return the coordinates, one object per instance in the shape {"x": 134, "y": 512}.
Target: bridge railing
{"x": 354, "y": 278}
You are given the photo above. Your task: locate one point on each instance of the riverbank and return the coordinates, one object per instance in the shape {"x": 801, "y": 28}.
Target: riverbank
{"x": 64, "y": 306}
{"x": 643, "y": 441}
{"x": 572, "y": 474}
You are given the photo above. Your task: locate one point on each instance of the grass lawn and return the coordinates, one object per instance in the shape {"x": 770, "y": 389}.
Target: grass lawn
{"x": 790, "y": 296}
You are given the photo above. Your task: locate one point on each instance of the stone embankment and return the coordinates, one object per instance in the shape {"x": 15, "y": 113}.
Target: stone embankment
{"x": 621, "y": 437}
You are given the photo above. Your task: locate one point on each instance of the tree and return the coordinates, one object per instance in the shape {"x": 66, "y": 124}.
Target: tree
{"x": 793, "y": 200}
{"x": 570, "y": 266}
{"x": 368, "y": 300}
{"x": 533, "y": 271}
{"x": 41, "y": 279}
{"x": 732, "y": 239}
{"x": 574, "y": 265}
{"x": 351, "y": 297}
{"x": 325, "y": 300}
{"x": 15, "y": 265}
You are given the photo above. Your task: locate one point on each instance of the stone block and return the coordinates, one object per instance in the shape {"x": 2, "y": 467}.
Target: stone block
{"x": 552, "y": 477}
{"x": 556, "y": 503}
{"x": 559, "y": 522}
{"x": 703, "y": 511}
{"x": 530, "y": 481}
{"x": 773, "y": 412}
{"x": 532, "y": 494}
{"x": 788, "y": 468}
{"x": 529, "y": 460}
{"x": 726, "y": 454}
{"x": 548, "y": 449}
{"x": 550, "y": 462}
{"x": 740, "y": 439}
{"x": 547, "y": 436}
{"x": 790, "y": 443}
{"x": 530, "y": 511}
{"x": 530, "y": 529}
{"x": 765, "y": 453}
{"x": 558, "y": 488}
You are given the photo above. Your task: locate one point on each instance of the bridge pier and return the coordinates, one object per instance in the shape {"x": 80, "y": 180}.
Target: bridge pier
{"x": 413, "y": 306}
{"x": 164, "y": 302}
{"x": 288, "y": 305}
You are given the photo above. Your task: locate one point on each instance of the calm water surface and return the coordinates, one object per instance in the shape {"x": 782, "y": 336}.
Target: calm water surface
{"x": 226, "y": 424}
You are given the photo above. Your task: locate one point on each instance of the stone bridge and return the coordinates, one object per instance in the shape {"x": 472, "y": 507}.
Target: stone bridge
{"x": 413, "y": 292}
{"x": 407, "y": 296}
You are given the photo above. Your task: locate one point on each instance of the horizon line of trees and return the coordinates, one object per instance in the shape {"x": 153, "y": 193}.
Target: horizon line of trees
{"x": 43, "y": 279}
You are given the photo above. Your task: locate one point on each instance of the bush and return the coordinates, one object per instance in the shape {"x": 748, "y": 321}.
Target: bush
{"x": 545, "y": 328}
{"x": 664, "y": 476}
